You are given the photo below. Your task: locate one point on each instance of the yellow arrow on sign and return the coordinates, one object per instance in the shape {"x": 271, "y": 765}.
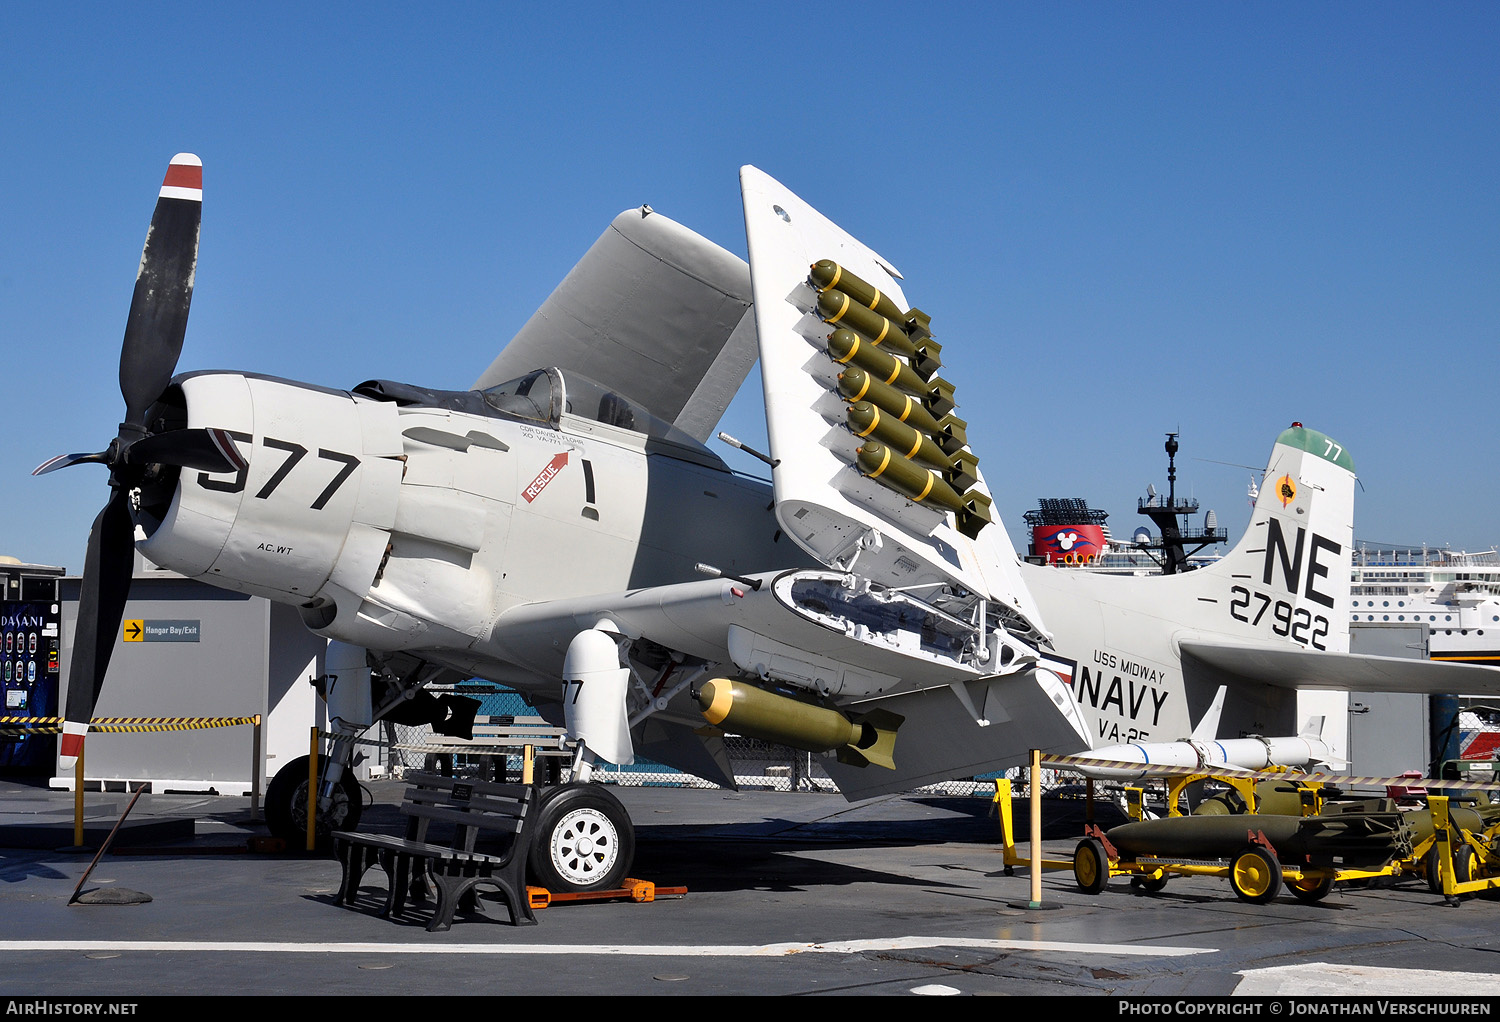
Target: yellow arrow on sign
{"x": 134, "y": 631}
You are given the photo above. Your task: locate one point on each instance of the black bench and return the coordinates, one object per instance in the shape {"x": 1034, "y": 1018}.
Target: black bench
{"x": 455, "y": 870}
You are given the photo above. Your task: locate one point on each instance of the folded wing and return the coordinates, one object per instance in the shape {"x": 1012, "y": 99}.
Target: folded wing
{"x": 653, "y": 311}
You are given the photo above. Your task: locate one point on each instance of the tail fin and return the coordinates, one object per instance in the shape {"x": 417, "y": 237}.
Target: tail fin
{"x": 1288, "y": 577}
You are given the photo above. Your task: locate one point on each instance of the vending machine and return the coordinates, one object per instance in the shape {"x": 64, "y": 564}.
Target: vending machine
{"x": 29, "y": 652}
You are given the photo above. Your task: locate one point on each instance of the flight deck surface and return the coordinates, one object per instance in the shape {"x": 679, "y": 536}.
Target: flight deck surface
{"x": 787, "y": 893}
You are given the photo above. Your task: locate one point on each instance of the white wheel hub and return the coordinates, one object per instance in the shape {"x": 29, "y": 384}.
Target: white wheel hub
{"x": 584, "y": 846}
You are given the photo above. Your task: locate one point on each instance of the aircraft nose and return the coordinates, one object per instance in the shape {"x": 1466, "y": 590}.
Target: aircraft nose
{"x": 187, "y": 527}
{"x": 315, "y": 498}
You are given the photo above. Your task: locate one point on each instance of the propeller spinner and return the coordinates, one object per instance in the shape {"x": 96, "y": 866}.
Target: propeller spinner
{"x": 148, "y": 360}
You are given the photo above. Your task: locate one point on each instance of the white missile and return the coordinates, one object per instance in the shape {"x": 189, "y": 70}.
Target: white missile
{"x": 1203, "y": 751}
{"x": 1147, "y": 759}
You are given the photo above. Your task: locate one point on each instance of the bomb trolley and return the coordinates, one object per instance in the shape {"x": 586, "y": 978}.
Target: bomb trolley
{"x": 1257, "y": 854}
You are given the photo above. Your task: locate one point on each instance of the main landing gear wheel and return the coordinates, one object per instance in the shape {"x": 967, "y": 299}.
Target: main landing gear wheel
{"x": 1255, "y": 875}
{"x": 286, "y": 806}
{"x": 1310, "y": 889}
{"x": 584, "y": 840}
{"x": 1091, "y": 865}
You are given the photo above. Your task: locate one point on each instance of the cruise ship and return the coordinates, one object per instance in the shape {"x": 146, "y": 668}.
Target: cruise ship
{"x": 1456, "y": 594}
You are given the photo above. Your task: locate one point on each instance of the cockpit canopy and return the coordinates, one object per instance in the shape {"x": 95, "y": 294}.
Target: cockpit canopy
{"x": 543, "y": 397}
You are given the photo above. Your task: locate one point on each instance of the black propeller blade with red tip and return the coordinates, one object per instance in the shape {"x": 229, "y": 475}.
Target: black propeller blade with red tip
{"x": 148, "y": 360}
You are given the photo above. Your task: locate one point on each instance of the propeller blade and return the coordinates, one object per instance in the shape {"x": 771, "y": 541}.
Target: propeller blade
{"x": 107, "y": 568}
{"x": 67, "y": 460}
{"x": 163, "y": 290}
{"x": 209, "y": 450}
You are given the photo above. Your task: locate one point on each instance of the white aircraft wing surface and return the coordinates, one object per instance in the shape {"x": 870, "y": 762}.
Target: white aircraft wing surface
{"x": 1289, "y": 667}
{"x": 829, "y": 501}
{"x": 653, "y": 311}
{"x": 786, "y": 628}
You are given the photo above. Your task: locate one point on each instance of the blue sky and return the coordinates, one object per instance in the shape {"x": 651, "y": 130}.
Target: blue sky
{"x": 1124, "y": 219}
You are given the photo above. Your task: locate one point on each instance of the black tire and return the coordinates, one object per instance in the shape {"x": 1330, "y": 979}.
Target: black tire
{"x": 1149, "y": 885}
{"x": 1255, "y": 875}
{"x": 1430, "y": 867}
{"x": 1463, "y": 864}
{"x": 1310, "y": 889}
{"x": 286, "y": 806}
{"x": 582, "y": 840}
{"x": 1091, "y": 866}
{"x": 1463, "y": 867}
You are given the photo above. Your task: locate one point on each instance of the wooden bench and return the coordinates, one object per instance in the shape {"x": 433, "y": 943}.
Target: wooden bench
{"x": 454, "y": 870}
{"x": 495, "y": 739}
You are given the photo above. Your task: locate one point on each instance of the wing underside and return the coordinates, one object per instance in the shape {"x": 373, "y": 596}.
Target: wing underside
{"x": 810, "y": 642}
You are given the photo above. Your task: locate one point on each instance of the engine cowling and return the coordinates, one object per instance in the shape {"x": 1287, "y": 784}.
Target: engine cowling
{"x": 367, "y": 532}
{"x": 313, "y": 503}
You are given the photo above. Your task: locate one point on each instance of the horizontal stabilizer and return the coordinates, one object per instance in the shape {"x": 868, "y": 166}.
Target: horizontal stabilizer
{"x": 1291, "y": 667}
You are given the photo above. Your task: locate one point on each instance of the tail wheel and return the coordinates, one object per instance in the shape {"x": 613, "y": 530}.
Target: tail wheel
{"x": 1091, "y": 866}
{"x": 286, "y": 806}
{"x": 1255, "y": 875}
{"x": 1310, "y": 889}
{"x": 584, "y": 840}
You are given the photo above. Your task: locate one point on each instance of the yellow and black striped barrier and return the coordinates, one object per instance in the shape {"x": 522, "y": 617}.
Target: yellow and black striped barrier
{"x": 137, "y": 725}
{"x": 121, "y": 725}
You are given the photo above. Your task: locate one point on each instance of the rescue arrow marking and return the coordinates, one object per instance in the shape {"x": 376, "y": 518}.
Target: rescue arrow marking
{"x": 545, "y": 476}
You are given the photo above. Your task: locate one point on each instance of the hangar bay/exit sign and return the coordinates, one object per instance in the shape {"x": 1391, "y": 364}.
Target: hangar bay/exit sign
{"x": 146, "y": 630}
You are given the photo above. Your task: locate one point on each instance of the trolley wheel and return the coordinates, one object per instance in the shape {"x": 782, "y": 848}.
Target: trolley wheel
{"x": 1463, "y": 864}
{"x": 1430, "y": 867}
{"x": 1463, "y": 867}
{"x": 1255, "y": 875}
{"x": 286, "y": 806}
{"x": 1091, "y": 866}
{"x": 1149, "y": 885}
{"x": 1310, "y": 889}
